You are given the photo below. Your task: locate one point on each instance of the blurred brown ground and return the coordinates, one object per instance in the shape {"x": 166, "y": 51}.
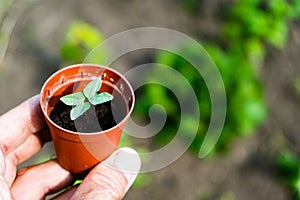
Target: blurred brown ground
{"x": 247, "y": 172}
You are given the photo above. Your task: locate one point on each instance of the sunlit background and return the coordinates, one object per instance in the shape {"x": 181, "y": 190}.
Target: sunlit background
{"x": 256, "y": 47}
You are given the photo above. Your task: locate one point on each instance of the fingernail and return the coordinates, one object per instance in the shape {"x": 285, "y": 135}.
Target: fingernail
{"x": 127, "y": 161}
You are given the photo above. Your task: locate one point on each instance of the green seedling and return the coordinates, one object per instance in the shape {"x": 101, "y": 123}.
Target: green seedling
{"x": 81, "y": 101}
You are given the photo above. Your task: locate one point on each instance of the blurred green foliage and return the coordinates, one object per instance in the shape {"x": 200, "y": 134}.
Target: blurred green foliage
{"x": 259, "y": 22}
{"x": 80, "y": 40}
{"x": 289, "y": 165}
{"x": 228, "y": 195}
{"x": 250, "y": 27}
{"x": 297, "y": 86}
{"x": 4, "y": 30}
{"x": 246, "y": 107}
{"x": 3, "y": 9}
{"x": 192, "y": 6}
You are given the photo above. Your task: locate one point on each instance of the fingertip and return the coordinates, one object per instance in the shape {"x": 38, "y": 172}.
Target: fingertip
{"x": 110, "y": 179}
{"x": 127, "y": 161}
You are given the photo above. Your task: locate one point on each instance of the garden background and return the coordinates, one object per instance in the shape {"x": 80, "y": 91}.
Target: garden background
{"x": 254, "y": 43}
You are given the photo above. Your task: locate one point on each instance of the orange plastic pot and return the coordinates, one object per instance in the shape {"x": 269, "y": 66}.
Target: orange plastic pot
{"x": 75, "y": 151}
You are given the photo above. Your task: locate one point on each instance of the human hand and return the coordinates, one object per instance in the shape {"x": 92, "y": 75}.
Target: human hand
{"x": 22, "y": 133}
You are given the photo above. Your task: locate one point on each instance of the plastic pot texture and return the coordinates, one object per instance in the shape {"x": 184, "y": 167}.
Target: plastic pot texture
{"x": 76, "y": 151}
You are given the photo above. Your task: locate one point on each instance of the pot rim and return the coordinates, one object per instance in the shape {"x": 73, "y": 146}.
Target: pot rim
{"x": 120, "y": 124}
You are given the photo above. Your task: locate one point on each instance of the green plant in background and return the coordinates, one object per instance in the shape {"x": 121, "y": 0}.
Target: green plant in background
{"x": 191, "y": 6}
{"x": 246, "y": 107}
{"x": 289, "y": 165}
{"x": 297, "y": 85}
{"x": 3, "y": 10}
{"x": 7, "y": 24}
{"x": 250, "y": 27}
{"x": 258, "y": 22}
{"x": 80, "y": 40}
{"x": 81, "y": 101}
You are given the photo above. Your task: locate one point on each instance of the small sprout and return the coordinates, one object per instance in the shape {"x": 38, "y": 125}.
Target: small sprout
{"x": 101, "y": 98}
{"x": 92, "y": 88}
{"x": 90, "y": 92}
{"x": 73, "y": 99}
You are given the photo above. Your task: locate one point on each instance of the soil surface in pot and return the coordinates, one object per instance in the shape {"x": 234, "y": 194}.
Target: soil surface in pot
{"x": 97, "y": 118}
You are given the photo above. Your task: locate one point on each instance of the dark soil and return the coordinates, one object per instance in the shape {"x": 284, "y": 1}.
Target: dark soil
{"x": 87, "y": 122}
{"x": 97, "y": 118}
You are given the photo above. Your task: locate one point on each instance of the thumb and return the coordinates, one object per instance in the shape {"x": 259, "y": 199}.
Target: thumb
{"x": 112, "y": 178}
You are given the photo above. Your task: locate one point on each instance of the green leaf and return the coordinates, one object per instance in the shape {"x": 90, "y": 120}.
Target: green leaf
{"x": 73, "y": 99}
{"x": 79, "y": 110}
{"x": 92, "y": 88}
{"x": 101, "y": 98}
